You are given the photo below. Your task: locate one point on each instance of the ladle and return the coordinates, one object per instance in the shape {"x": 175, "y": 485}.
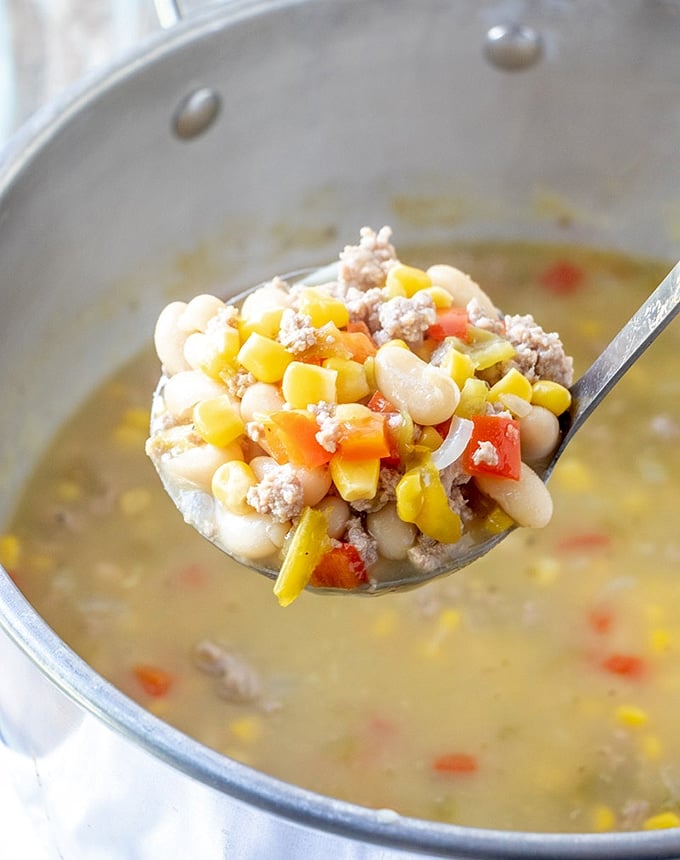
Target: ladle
{"x": 632, "y": 340}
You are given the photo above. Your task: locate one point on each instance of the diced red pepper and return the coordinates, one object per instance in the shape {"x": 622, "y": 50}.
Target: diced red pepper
{"x": 455, "y": 763}
{"x": 601, "y": 620}
{"x": 153, "y": 680}
{"x": 291, "y": 438}
{"x": 364, "y": 438}
{"x": 503, "y": 434}
{"x": 625, "y": 665}
{"x": 450, "y": 322}
{"x": 341, "y": 567}
{"x": 584, "y": 541}
{"x": 359, "y": 325}
{"x": 562, "y": 278}
{"x": 359, "y": 344}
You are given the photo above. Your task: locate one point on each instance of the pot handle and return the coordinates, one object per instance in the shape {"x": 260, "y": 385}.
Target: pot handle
{"x": 169, "y": 12}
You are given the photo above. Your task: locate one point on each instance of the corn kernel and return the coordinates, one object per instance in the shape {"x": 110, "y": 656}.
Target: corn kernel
{"x": 603, "y": 819}
{"x": 265, "y": 358}
{"x": 573, "y": 475}
{"x": 266, "y": 323}
{"x": 230, "y": 485}
{"x": 385, "y": 624}
{"x": 651, "y": 747}
{"x": 68, "y": 491}
{"x": 406, "y": 281}
{"x": 511, "y": 383}
{"x": 662, "y": 821}
{"x": 351, "y": 384}
{"x": 10, "y": 551}
{"x": 246, "y": 729}
{"x": 430, "y": 438}
{"x": 551, "y": 395}
{"x": 355, "y": 479}
{"x": 138, "y": 417}
{"x": 472, "y": 398}
{"x": 630, "y": 715}
{"x": 218, "y": 421}
{"x": 545, "y": 569}
{"x": 323, "y": 308}
{"x": 660, "y": 640}
{"x": 133, "y": 502}
{"x": 369, "y": 370}
{"x": 460, "y": 367}
{"x": 212, "y": 353}
{"x": 441, "y": 298}
{"x": 307, "y": 383}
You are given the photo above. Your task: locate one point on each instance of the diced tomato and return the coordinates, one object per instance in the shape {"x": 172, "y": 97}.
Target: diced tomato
{"x": 153, "y": 680}
{"x": 291, "y": 438}
{"x": 625, "y": 665}
{"x": 443, "y": 428}
{"x": 451, "y": 322}
{"x": 455, "y": 763}
{"x": 503, "y": 434}
{"x": 364, "y": 438}
{"x": 601, "y": 620}
{"x": 562, "y": 278}
{"x": 584, "y": 541}
{"x": 379, "y": 403}
{"x": 340, "y": 567}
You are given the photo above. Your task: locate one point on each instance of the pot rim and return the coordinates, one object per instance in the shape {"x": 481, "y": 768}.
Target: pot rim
{"x": 83, "y": 685}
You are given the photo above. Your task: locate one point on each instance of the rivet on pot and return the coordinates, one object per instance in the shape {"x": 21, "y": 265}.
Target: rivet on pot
{"x": 513, "y": 47}
{"x": 196, "y": 113}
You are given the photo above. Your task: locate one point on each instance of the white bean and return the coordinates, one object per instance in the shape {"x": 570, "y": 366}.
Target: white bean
{"x": 198, "y": 465}
{"x": 183, "y": 391}
{"x": 527, "y": 501}
{"x": 260, "y": 397}
{"x": 427, "y": 393}
{"x": 262, "y": 466}
{"x": 200, "y": 310}
{"x": 461, "y": 287}
{"x": 337, "y": 512}
{"x": 316, "y": 482}
{"x": 393, "y": 536}
{"x": 169, "y": 339}
{"x": 539, "y": 433}
{"x": 250, "y": 536}
{"x": 269, "y": 297}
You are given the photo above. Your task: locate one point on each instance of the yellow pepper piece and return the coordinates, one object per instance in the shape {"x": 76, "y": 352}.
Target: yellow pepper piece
{"x": 351, "y": 380}
{"x": 218, "y": 421}
{"x": 487, "y": 348}
{"x": 305, "y": 550}
{"x": 551, "y": 395}
{"x": 265, "y": 358}
{"x": 308, "y": 383}
{"x": 430, "y": 438}
{"x": 422, "y": 500}
{"x": 355, "y": 479}
{"x": 406, "y": 281}
{"x": 472, "y": 398}
{"x": 323, "y": 308}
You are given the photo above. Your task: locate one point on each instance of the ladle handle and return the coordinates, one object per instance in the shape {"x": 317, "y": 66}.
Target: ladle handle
{"x": 638, "y": 333}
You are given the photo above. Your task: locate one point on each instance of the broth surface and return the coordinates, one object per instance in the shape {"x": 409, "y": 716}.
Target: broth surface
{"x": 537, "y": 690}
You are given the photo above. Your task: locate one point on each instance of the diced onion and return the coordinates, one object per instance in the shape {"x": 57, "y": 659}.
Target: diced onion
{"x": 455, "y": 443}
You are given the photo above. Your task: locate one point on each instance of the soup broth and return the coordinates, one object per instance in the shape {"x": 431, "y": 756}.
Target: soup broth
{"x": 538, "y": 689}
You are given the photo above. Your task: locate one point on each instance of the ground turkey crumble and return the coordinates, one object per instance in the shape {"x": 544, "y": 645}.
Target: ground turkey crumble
{"x": 366, "y": 265}
{"x": 539, "y": 354}
{"x": 407, "y": 319}
{"x": 279, "y": 493}
{"x": 361, "y": 540}
{"x": 237, "y": 680}
{"x": 296, "y": 331}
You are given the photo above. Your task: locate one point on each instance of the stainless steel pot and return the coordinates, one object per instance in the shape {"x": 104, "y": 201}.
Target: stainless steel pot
{"x": 252, "y": 139}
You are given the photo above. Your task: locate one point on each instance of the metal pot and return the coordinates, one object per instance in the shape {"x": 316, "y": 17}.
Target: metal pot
{"x": 252, "y": 139}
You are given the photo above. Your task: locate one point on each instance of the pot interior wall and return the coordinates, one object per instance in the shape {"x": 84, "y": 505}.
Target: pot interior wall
{"x": 333, "y": 114}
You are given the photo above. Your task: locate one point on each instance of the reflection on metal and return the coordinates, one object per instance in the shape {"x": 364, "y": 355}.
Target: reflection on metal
{"x": 513, "y": 47}
{"x": 196, "y": 113}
